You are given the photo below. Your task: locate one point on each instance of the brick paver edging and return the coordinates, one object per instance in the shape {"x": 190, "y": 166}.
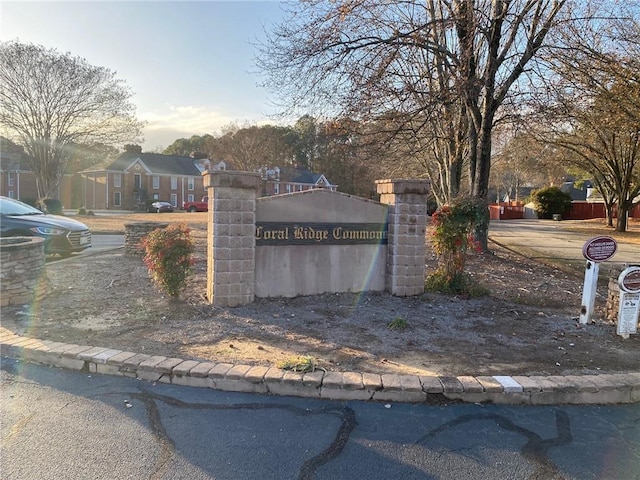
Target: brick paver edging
{"x": 533, "y": 390}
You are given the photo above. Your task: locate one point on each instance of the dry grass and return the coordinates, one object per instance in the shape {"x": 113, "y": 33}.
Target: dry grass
{"x": 598, "y": 226}
{"x": 115, "y": 223}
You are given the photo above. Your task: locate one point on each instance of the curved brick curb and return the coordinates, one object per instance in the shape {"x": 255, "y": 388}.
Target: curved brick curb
{"x": 532, "y": 390}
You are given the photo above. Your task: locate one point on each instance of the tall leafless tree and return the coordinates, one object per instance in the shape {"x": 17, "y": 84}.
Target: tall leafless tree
{"x": 593, "y": 111}
{"x": 440, "y": 68}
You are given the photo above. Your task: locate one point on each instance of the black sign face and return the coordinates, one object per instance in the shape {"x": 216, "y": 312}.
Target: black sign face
{"x": 276, "y": 233}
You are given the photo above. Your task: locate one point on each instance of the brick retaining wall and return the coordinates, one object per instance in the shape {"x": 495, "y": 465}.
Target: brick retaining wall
{"x": 133, "y": 233}
{"x": 22, "y": 276}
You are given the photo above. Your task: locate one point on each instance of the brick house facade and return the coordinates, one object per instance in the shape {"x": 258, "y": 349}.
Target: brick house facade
{"x": 134, "y": 178}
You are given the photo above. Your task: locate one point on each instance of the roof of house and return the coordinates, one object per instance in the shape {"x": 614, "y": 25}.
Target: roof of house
{"x": 576, "y": 193}
{"x": 157, "y": 164}
{"x": 301, "y": 175}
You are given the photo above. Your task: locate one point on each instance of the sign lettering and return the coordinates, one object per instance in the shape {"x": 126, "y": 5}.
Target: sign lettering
{"x": 275, "y": 233}
{"x": 599, "y": 249}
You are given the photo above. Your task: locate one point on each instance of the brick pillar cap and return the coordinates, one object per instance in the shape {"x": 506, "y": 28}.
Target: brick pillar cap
{"x": 406, "y": 186}
{"x": 232, "y": 179}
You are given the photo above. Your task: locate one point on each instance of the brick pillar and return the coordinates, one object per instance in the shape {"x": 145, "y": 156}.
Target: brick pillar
{"x": 407, "y": 200}
{"x": 231, "y": 237}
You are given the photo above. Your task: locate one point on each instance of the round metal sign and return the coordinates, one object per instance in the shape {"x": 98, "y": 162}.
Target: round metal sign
{"x": 599, "y": 249}
{"x": 629, "y": 280}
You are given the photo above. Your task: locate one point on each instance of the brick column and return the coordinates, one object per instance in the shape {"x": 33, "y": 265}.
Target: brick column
{"x": 407, "y": 200}
{"x": 231, "y": 237}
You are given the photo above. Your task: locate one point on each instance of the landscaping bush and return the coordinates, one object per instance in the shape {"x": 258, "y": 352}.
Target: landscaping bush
{"x": 451, "y": 234}
{"x": 549, "y": 201}
{"x": 51, "y": 205}
{"x": 168, "y": 256}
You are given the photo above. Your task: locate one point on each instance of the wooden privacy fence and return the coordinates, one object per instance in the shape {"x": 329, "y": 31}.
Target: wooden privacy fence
{"x": 580, "y": 210}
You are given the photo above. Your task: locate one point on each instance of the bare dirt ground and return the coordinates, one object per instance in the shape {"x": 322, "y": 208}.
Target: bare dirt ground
{"x": 528, "y": 324}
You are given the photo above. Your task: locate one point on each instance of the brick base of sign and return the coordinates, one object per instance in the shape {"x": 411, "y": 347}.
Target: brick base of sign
{"x": 613, "y": 295}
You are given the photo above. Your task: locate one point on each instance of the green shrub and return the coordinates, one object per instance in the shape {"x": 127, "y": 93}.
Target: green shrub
{"x": 51, "y": 205}
{"x": 168, "y": 257}
{"x": 549, "y": 201}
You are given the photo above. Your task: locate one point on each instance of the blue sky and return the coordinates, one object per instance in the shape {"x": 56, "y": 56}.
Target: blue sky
{"x": 190, "y": 64}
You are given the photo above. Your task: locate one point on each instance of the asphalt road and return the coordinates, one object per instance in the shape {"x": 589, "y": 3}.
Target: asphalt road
{"x": 60, "y": 424}
{"x": 105, "y": 242}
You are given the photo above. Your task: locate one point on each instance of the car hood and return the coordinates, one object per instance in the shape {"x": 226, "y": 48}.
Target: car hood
{"x": 53, "y": 220}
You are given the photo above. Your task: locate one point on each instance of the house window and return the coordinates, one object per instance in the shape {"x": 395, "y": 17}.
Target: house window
{"x": 10, "y": 180}
{"x": 174, "y": 183}
{"x": 276, "y": 188}
{"x": 10, "y": 192}
{"x": 156, "y": 196}
{"x": 156, "y": 182}
{"x": 288, "y": 188}
{"x": 117, "y": 180}
{"x": 300, "y": 187}
{"x": 191, "y": 183}
{"x": 137, "y": 181}
{"x": 191, "y": 197}
{"x": 117, "y": 199}
{"x": 174, "y": 199}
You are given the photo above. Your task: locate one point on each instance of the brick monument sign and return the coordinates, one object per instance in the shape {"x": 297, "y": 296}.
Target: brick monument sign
{"x": 312, "y": 242}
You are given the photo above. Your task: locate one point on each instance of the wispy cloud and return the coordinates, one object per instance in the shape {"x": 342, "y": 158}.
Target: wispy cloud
{"x": 174, "y": 122}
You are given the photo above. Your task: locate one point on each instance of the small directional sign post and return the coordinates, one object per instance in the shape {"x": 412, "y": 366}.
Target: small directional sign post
{"x": 596, "y": 250}
{"x": 629, "y": 283}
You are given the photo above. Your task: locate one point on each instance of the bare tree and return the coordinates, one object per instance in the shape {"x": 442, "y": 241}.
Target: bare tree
{"x": 605, "y": 142}
{"x": 594, "y": 111}
{"x": 441, "y": 69}
{"x": 253, "y": 147}
{"x": 521, "y": 160}
{"x": 52, "y": 102}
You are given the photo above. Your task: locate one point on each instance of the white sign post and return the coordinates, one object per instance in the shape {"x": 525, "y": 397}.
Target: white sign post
{"x": 629, "y": 309}
{"x": 596, "y": 250}
{"x": 589, "y": 291}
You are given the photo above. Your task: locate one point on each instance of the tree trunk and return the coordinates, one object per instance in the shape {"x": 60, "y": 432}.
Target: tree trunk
{"x": 623, "y": 214}
{"x": 609, "y": 208}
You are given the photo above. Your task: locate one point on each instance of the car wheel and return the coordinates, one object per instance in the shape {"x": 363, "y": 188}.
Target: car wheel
{"x": 191, "y": 209}
{"x": 157, "y": 210}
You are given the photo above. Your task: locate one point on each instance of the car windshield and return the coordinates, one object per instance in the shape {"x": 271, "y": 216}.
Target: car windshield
{"x": 8, "y": 206}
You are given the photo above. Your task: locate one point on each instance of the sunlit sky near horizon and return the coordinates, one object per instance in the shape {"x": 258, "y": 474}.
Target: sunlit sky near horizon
{"x": 190, "y": 64}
